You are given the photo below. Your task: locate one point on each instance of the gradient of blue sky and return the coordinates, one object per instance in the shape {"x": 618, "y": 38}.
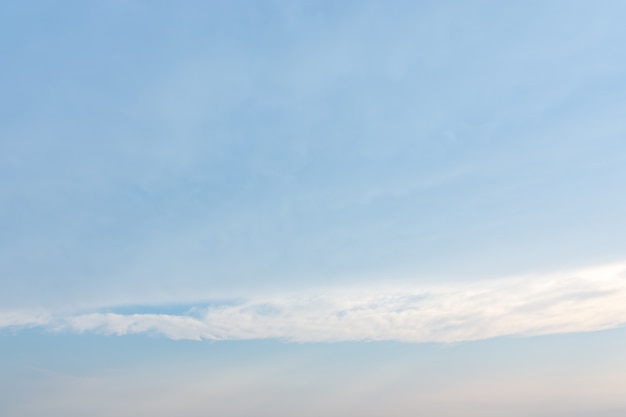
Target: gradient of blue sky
{"x": 312, "y": 171}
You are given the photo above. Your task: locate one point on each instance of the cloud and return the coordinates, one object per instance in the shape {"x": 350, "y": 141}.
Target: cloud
{"x": 23, "y": 319}
{"x": 578, "y": 301}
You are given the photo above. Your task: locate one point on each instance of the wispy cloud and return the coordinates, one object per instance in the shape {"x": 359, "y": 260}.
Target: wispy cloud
{"x": 578, "y": 301}
{"x": 24, "y": 319}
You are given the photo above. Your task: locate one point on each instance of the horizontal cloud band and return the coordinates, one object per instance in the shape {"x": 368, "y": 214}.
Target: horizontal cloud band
{"x": 587, "y": 300}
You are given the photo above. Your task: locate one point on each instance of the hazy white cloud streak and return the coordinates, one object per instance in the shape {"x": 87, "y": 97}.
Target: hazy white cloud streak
{"x": 578, "y": 301}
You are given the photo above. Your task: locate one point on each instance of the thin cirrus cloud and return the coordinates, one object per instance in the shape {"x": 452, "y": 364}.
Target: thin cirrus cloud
{"x": 576, "y": 301}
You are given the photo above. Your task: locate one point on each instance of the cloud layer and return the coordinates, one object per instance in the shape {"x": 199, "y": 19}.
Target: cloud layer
{"x": 578, "y": 301}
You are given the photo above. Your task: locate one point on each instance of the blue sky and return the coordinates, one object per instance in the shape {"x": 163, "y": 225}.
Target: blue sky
{"x": 319, "y": 198}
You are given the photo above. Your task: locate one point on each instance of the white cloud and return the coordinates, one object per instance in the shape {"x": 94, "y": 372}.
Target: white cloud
{"x": 578, "y": 301}
{"x": 23, "y": 319}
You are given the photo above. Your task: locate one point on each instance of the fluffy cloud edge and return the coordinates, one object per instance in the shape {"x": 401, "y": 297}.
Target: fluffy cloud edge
{"x": 577, "y": 301}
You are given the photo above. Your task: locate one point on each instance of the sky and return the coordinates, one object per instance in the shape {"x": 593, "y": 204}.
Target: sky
{"x": 338, "y": 208}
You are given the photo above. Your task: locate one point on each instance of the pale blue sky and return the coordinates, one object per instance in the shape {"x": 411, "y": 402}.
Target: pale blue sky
{"x": 312, "y": 171}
